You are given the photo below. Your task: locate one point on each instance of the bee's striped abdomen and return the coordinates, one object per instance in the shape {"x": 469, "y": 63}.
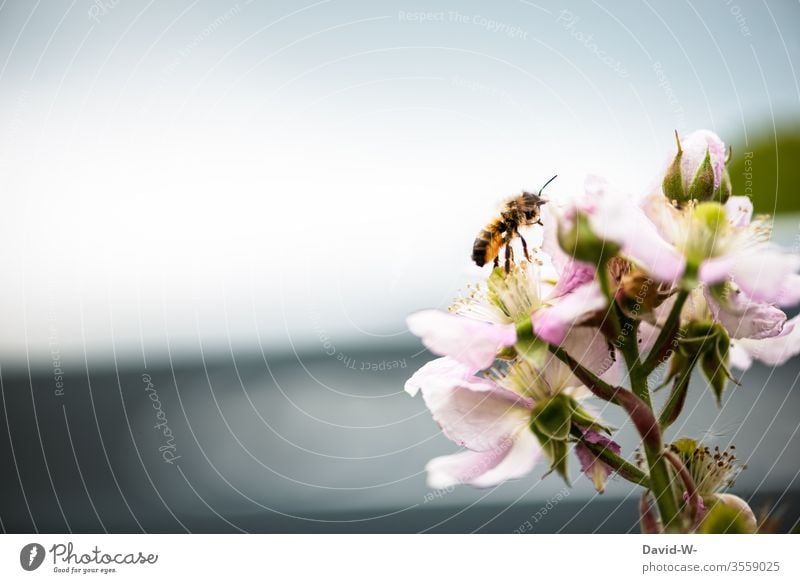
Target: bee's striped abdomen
{"x": 487, "y": 244}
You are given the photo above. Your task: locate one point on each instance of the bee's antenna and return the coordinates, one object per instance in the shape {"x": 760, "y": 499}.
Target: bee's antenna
{"x": 546, "y": 183}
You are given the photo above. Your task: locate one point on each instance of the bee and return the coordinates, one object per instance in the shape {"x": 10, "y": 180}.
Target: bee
{"x": 520, "y": 211}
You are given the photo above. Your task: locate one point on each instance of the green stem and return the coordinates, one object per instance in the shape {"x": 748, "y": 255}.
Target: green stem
{"x": 660, "y": 478}
{"x": 638, "y": 371}
{"x": 661, "y": 481}
{"x": 630, "y": 353}
{"x": 646, "y": 424}
{"x": 605, "y": 286}
{"x": 662, "y": 347}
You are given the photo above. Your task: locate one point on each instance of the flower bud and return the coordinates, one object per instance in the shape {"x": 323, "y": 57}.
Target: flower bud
{"x": 728, "y": 514}
{"x": 696, "y": 172}
{"x": 579, "y": 241}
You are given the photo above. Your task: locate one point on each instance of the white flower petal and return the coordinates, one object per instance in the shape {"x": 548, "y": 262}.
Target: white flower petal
{"x": 739, "y": 210}
{"x": 744, "y": 318}
{"x": 762, "y": 272}
{"x": 462, "y": 468}
{"x": 617, "y": 217}
{"x": 444, "y": 373}
{"x": 472, "y": 411}
{"x": 518, "y": 462}
{"x": 739, "y": 356}
{"x": 485, "y": 469}
{"x": 470, "y": 341}
{"x": 553, "y": 323}
{"x": 590, "y": 348}
{"x": 550, "y": 244}
{"x": 574, "y": 275}
{"x": 789, "y": 292}
{"x": 657, "y": 257}
{"x": 777, "y": 350}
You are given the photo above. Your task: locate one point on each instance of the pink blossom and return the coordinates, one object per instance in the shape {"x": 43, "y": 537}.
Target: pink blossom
{"x": 773, "y": 351}
{"x": 763, "y": 271}
{"x": 472, "y": 342}
{"x": 617, "y": 217}
{"x": 744, "y": 318}
{"x": 487, "y": 419}
{"x": 695, "y": 146}
{"x": 553, "y": 323}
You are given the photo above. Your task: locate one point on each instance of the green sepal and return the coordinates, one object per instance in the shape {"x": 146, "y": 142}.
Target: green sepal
{"x": 585, "y": 420}
{"x": 556, "y": 451}
{"x": 581, "y": 243}
{"x": 714, "y": 365}
{"x": 702, "y": 186}
{"x": 529, "y": 346}
{"x": 705, "y": 343}
{"x": 507, "y": 353}
{"x": 672, "y": 185}
{"x": 553, "y": 418}
{"x": 723, "y": 193}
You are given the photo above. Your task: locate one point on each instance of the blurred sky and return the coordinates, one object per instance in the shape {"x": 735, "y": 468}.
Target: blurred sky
{"x": 190, "y": 175}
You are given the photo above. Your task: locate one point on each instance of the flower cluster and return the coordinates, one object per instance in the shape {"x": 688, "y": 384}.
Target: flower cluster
{"x": 620, "y": 287}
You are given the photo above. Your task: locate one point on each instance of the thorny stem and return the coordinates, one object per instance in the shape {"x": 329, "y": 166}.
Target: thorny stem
{"x": 594, "y": 383}
{"x": 646, "y": 424}
{"x": 663, "y": 343}
{"x": 623, "y": 467}
{"x": 630, "y": 353}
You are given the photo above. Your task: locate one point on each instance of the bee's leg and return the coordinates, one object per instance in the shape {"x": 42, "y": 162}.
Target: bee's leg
{"x": 497, "y": 260}
{"x": 539, "y": 222}
{"x": 524, "y": 247}
{"x": 509, "y": 255}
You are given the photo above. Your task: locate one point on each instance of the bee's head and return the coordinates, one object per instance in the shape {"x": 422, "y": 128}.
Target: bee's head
{"x": 533, "y": 200}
